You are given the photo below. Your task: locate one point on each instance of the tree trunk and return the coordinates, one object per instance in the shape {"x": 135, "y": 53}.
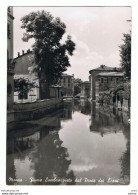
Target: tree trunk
{"x": 44, "y": 91}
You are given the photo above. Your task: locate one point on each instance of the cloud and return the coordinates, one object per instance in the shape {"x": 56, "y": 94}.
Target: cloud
{"x": 81, "y": 14}
{"x": 81, "y": 168}
{"x": 84, "y": 59}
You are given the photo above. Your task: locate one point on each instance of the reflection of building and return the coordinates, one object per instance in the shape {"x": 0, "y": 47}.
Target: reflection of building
{"x": 37, "y": 152}
{"x": 67, "y": 84}
{"x": 94, "y": 79}
{"x": 85, "y": 107}
{"x": 105, "y": 120}
{"x": 67, "y": 111}
{"x": 85, "y": 89}
{"x": 10, "y": 65}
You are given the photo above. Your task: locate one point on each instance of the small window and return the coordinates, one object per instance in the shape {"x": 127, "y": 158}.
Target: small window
{"x": 64, "y": 80}
{"x": 101, "y": 80}
{"x": 68, "y": 80}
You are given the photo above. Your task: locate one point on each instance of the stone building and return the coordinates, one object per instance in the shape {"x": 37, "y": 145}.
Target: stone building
{"x": 67, "y": 84}
{"x": 93, "y": 78}
{"x": 85, "y": 89}
{"x": 10, "y": 66}
{"x": 107, "y": 82}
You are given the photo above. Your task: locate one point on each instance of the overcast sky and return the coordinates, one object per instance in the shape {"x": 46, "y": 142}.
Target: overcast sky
{"x": 97, "y": 32}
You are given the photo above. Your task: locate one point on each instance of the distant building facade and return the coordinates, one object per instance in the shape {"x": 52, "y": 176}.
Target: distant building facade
{"x": 85, "y": 89}
{"x": 10, "y": 65}
{"x": 67, "y": 84}
{"x": 94, "y": 79}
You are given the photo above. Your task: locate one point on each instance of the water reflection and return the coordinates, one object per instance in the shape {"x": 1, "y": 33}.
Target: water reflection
{"x": 78, "y": 144}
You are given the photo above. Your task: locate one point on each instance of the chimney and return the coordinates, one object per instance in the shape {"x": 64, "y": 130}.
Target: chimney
{"x": 102, "y": 66}
{"x": 18, "y": 54}
{"x": 28, "y": 50}
{"x": 22, "y": 52}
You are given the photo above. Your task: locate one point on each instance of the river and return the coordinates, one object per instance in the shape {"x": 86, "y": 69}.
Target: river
{"x": 80, "y": 144}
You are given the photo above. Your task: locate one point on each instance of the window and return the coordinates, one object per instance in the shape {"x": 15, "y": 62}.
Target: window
{"x": 107, "y": 79}
{"x": 64, "y": 80}
{"x": 22, "y": 96}
{"x": 101, "y": 80}
{"x": 117, "y": 79}
{"x": 111, "y": 79}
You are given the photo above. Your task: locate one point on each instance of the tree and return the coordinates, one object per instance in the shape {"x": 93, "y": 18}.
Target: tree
{"x": 51, "y": 57}
{"x": 23, "y": 86}
{"x": 125, "y": 54}
{"x": 77, "y": 86}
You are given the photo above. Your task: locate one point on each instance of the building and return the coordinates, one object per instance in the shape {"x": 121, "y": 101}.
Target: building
{"x": 10, "y": 66}
{"x": 94, "y": 79}
{"x": 108, "y": 82}
{"x": 85, "y": 89}
{"x": 55, "y": 91}
{"x": 23, "y": 64}
{"x": 32, "y": 94}
{"x": 23, "y": 67}
{"x": 67, "y": 84}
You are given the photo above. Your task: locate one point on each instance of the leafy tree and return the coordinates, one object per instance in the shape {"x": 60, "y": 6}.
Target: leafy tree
{"x": 77, "y": 86}
{"x": 125, "y": 53}
{"x": 51, "y": 57}
{"x": 23, "y": 86}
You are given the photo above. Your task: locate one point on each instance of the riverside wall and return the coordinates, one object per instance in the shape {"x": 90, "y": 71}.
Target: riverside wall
{"x": 35, "y": 110}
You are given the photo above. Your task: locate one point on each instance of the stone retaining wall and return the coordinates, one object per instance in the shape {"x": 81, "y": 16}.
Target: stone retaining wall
{"x": 35, "y": 110}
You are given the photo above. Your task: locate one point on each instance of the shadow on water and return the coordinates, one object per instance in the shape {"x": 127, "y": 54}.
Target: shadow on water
{"x": 36, "y": 154}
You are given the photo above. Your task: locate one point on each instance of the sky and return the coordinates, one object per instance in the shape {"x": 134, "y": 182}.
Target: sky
{"x": 96, "y": 31}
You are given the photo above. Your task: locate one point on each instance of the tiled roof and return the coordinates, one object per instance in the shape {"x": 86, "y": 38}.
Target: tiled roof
{"x": 105, "y": 68}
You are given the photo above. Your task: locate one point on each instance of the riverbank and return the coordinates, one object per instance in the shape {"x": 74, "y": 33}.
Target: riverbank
{"x": 33, "y": 110}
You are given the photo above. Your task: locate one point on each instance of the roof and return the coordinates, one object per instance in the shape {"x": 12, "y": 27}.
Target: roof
{"x": 111, "y": 74}
{"x": 23, "y": 54}
{"x": 66, "y": 75}
{"x": 105, "y": 68}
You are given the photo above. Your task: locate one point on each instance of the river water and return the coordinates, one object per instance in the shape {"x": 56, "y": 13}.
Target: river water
{"x": 82, "y": 143}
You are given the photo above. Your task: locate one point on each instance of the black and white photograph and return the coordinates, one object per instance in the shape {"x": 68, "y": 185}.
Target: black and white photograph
{"x": 68, "y": 84}
{"x": 68, "y": 95}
